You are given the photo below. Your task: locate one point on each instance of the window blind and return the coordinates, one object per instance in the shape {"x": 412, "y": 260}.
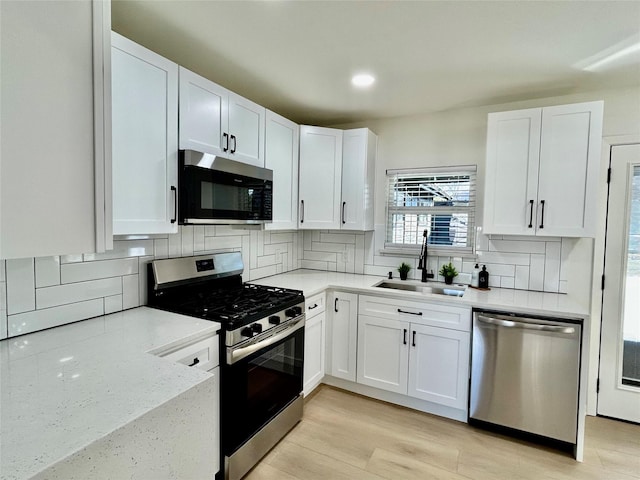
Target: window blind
{"x": 440, "y": 200}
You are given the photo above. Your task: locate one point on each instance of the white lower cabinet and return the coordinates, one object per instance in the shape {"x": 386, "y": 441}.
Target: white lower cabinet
{"x": 383, "y": 353}
{"x": 413, "y": 357}
{"x": 439, "y": 365}
{"x": 314, "y": 343}
{"x": 343, "y": 335}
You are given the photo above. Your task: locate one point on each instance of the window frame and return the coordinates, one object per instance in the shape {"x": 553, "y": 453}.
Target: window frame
{"x": 392, "y": 176}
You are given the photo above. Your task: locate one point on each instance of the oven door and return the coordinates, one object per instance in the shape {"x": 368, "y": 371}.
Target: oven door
{"x": 209, "y": 196}
{"x": 259, "y": 384}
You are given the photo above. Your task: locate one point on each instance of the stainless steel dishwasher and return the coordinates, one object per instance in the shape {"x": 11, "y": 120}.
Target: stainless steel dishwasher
{"x": 525, "y": 374}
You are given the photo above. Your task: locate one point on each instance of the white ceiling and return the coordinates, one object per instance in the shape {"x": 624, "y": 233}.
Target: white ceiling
{"x": 297, "y": 57}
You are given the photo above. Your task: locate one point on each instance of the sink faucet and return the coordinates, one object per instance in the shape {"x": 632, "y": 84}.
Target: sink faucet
{"x": 422, "y": 261}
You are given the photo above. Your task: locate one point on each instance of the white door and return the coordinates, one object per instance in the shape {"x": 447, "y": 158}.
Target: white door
{"x": 314, "y": 334}
{"x": 570, "y": 149}
{"x": 344, "y": 334}
{"x": 320, "y": 177}
{"x": 281, "y": 156}
{"x": 204, "y": 115}
{"x": 145, "y": 139}
{"x": 358, "y": 179}
{"x": 439, "y": 365}
{"x": 383, "y": 353}
{"x": 246, "y": 130}
{"x": 619, "y": 394}
{"x": 513, "y": 154}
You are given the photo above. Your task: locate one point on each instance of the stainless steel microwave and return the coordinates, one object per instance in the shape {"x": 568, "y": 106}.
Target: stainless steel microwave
{"x": 217, "y": 190}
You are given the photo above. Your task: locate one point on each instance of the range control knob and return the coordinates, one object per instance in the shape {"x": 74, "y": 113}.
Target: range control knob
{"x": 274, "y": 319}
{"x": 246, "y": 332}
{"x": 298, "y": 310}
{"x": 256, "y": 327}
{"x": 293, "y": 311}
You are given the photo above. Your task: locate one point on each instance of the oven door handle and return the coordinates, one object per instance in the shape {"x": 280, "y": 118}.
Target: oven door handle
{"x": 236, "y": 354}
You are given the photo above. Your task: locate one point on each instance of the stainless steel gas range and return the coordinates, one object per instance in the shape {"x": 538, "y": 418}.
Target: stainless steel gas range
{"x": 261, "y": 349}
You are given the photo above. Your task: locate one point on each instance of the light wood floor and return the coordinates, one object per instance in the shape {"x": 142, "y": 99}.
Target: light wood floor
{"x": 345, "y": 436}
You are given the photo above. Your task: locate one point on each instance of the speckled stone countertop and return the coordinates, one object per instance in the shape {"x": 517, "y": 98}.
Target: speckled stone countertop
{"x": 64, "y": 388}
{"x": 517, "y": 301}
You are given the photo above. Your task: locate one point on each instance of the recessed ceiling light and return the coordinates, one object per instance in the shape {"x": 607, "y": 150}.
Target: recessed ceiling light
{"x": 363, "y": 80}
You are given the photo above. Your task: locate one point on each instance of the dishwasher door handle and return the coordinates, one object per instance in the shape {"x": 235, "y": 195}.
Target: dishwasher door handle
{"x": 526, "y": 326}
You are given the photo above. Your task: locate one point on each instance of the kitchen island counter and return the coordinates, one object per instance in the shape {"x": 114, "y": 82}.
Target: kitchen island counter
{"x": 65, "y": 388}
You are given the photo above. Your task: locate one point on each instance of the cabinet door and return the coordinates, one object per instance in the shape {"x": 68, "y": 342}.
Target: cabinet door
{"x": 204, "y": 114}
{"x": 246, "y": 130}
{"x": 513, "y": 151}
{"x": 383, "y": 353}
{"x": 281, "y": 156}
{"x": 314, "y": 346}
{"x": 145, "y": 139}
{"x": 55, "y": 143}
{"x": 358, "y": 179}
{"x": 569, "y": 164}
{"x": 320, "y": 177}
{"x": 344, "y": 335}
{"x": 439, "y": 365}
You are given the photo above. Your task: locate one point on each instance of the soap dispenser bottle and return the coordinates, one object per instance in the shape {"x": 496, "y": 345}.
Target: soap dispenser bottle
{"x": 483, "y": 278}
{"x": 475, "y": 276}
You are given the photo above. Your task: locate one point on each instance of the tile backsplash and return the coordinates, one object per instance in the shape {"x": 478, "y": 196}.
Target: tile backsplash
{"x": 527, "y": 263}
{"x": 38, "y": 293}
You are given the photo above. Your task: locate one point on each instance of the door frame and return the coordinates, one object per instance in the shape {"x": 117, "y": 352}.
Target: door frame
{"x": 592, "y": 340}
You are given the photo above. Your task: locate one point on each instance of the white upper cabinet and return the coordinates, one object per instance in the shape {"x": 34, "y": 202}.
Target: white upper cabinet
{"x": 542, "y": 169}
{"x": 359, "y": 148}
{"x": 320, "y": 177}
{"x": 217, "y": 121}
{"x": 204, "y": 114}
{"x": 145, "y": 139}
{"x": 281, "y": 156}
{"x": 55, "y": 146}
{"x": 337, "y": 177}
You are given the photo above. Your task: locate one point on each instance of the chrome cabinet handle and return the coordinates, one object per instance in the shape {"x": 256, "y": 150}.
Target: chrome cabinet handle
{"x": 410, "y": 313}
{"x": 526, "y": 326}
{"x": 225, "y": 136}
{"x": 301, "y": 211}
{"x": 531, "y": 214}
{"x": 235, "y": 144}
{"x": 344, "y": 204}
{"x": 542, "y": 217}
{"x": 175, "y": 204}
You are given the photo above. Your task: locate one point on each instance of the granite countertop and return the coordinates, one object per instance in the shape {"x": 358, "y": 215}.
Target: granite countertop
{"x": 64, "y": 388}
{"x": 517, "y": 301}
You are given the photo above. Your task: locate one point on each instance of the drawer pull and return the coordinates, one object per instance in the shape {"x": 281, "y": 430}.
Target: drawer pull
{"x": 315, "y": 305}
{"x": 410, "y": 313}
{"x": 195, "y": 362}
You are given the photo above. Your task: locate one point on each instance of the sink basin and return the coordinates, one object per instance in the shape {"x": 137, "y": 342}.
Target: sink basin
{"x": 432, "y": 287}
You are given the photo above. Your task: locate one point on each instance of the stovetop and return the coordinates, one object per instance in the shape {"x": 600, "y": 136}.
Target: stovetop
{"x": 235, "y": 307}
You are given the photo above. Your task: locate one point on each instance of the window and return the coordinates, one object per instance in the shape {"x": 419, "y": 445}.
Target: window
{"x": 439, "y": 200}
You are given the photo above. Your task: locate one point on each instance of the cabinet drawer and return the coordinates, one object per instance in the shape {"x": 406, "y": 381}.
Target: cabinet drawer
{"x": 434, "y": 314}
{"x": 202, "y": 354}
{"x": 315, "y": 304}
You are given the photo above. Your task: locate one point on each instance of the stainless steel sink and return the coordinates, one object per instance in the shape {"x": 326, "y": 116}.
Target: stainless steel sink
{"x": 431, "y": 287}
